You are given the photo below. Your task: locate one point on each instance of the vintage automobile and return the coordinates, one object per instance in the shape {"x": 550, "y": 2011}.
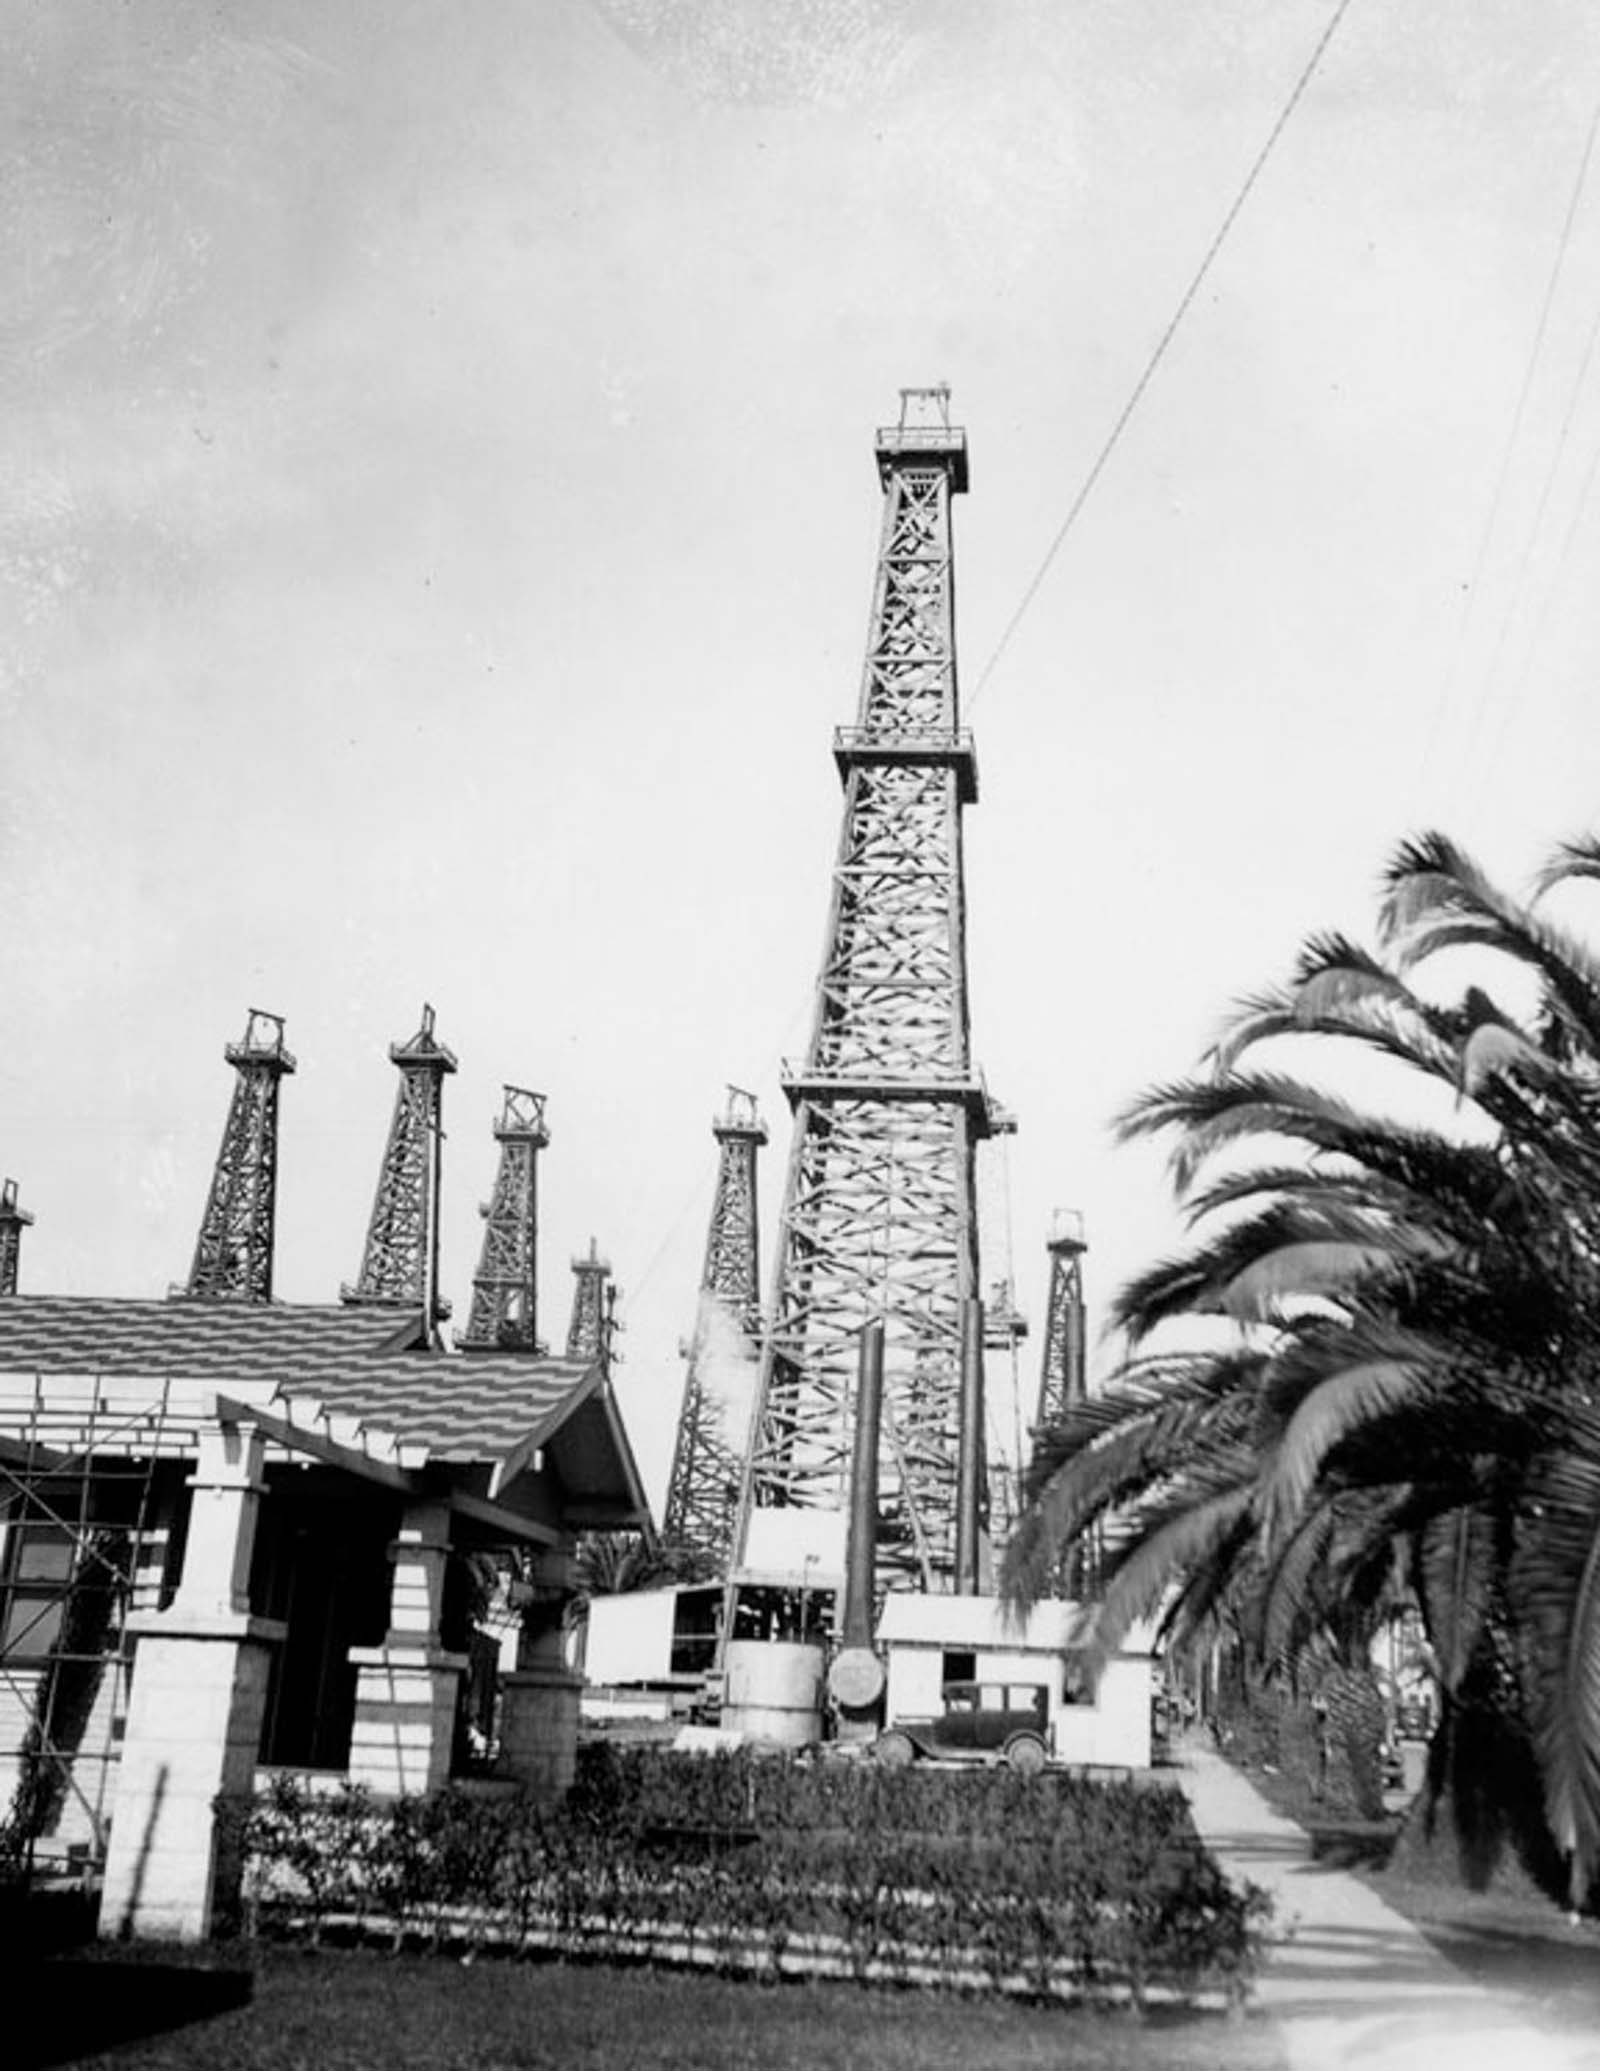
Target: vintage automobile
{"x": 981, "y": 1722}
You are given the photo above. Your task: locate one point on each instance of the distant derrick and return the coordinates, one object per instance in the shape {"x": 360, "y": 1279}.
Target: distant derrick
{"x": 505, "y": 1287}
{"x": 593, "y": 1321}
{"x": 879, "y": 1215}
{"x": 1063, "y": 1383}
{"x": 703, "y": 1492}
{"x": 13, "y": 1220}
{"x": 400, "y": 1266}
{"x": 234, "y": 1253}
{"x": 1061, "y": 1372}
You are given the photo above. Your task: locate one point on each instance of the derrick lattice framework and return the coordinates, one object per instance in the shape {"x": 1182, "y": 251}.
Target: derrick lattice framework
{"x": 879, "y": 1215}
{"x": 505, "y": 1296}
{"x": 593, "y": 1323}
{"x": 400, "y": 1263}
{"x": 1063, "y": 1380}
{"x": 233, "y": 1254}
{"x": 13, "y": 1221}
{"x": 1061, "y": 1367}
{"x": 707, "y": 1460}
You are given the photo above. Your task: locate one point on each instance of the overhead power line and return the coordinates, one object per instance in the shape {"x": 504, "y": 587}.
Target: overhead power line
{"x": 1162, "y": 344}
{"x": 1451, "y": 676}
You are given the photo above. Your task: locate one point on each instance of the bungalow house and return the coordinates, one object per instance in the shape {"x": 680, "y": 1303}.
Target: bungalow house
{"x": 240, "y": 1535}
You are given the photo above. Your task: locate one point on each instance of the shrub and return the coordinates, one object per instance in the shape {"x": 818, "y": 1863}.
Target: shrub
{"x": 1046, "y": 1884}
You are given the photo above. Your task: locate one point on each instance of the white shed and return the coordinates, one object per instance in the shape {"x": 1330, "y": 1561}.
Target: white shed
{"x": 930, "y": 1643}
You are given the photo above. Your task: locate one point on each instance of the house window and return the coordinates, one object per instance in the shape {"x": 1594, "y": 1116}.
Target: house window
{"x": 59, "y": 1587}
{"x": 960, "y": 1666}
{"x": 33, "y": 1599}
{"x": 1077, "y": 1684}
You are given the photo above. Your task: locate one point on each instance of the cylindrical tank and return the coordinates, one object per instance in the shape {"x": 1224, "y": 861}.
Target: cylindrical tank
{"x": 774, "y": 1691}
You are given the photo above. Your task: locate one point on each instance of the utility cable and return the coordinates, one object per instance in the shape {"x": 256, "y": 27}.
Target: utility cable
{"x": 1162, "y": 345}
{"x": 1484, "y": 698}
{"x": 1563, "y": 559}
{"x": 1496, "y": 502}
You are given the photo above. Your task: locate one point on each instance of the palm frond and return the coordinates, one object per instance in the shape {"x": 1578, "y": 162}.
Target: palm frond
{"x": 1357, "y": 1393}
{"x": 1250, "y": 1265}
{"x": 1438, "y": 898}
{"x": 1157, "y": 1444}
{"x": 1290, "y": 1598}
{"x": 1555, "y": 1575}
{"x": 1453, "y": 1573}
{"x": 1142, "y": 1571}
{"x": 1571, "y": 859}
{"x": 1324, "y": 1269}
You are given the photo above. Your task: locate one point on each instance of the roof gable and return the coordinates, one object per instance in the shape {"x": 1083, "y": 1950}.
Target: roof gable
{"x": 370, "y": 1365}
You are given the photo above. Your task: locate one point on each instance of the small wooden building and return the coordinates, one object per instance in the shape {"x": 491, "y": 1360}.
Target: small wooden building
{"x": 935, "y": 1644}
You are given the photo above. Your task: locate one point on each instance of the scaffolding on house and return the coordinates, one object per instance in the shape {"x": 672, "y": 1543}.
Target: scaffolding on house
{"x": 89, "y": 1467}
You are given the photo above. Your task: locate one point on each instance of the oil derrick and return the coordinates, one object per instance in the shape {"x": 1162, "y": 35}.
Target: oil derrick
{"x": 233, "y": 1254}
{"x": 593, "y": 1322}
{"x": 13, "y": 1221}
{"x": 1061, "y": 1370}
{"x": 703, "y": 1492}
{"x": 505, "y": 1297}
{"x": 1062, "y": 1376}
{"x": 879, "y": 1215}
{"x": 400, "y": 1265}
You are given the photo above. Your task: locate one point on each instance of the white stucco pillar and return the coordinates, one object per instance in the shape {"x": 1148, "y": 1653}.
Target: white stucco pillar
{"x": 194, "y": 1713}
{"x": 406, "y": 1690}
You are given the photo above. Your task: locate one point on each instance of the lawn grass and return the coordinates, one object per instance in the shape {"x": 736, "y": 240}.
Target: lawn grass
{"x": 360, "y": 2011}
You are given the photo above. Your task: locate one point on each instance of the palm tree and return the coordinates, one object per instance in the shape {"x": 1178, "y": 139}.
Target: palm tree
{"x": 1399, "y": 1385}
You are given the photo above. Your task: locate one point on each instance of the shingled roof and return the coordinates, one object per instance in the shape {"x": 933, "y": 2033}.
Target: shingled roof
{"x": 370, "y": 1365}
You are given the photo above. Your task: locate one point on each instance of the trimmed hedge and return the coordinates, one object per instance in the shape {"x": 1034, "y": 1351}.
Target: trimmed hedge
{"x": 1051, "y": 1886}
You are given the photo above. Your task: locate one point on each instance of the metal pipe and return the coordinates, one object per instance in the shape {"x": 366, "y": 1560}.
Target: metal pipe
{"x": 860, "y": 1567}
{"x": 969, "y": 1457}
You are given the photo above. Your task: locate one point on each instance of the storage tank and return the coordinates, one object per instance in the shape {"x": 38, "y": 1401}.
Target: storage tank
{"x": 773, "y": 1691}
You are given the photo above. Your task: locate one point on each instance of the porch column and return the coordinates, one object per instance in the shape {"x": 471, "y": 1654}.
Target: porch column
{"x": 194, "y": 1712}
{"x": 406, "y": 1689}
{"x": 539, "y": 1697}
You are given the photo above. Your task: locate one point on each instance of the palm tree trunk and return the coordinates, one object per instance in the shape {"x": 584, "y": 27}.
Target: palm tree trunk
{"x": 1356, "y": 1723}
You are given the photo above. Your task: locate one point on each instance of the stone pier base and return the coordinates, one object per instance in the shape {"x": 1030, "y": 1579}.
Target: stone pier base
{"x": 539, "y": 1728}
{"x": 194, "y": 1728}
{"x": 405, "y": 1718}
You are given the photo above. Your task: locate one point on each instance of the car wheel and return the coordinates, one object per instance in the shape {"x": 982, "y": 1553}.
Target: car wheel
{"x": 1025, "y": 1753}
{"x": 894, "y": 1750}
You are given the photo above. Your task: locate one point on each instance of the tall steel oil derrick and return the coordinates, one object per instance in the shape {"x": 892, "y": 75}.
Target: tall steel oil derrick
{"x": 1061, "y": 1368}
{"x": 505, "y": 1294}
{"x": 593, "y": 1323}
{"x": 233, "y": 1254}
{"x": 879, "y": 1213}
{"x": 707, "y": 1460}
{"x": 1063, "y": 1381}
{"x": 13, "y": 1221}
{"x": 400, "y": 1265}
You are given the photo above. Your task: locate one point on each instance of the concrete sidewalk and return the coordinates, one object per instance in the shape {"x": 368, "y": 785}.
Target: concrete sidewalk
{"x": 1348, "y": 1980}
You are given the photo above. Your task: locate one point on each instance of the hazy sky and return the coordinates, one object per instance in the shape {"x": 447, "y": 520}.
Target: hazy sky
{"x": 439, "y": 525}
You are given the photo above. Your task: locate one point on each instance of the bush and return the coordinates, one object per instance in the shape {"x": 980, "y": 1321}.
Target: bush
{"x": 1050, "y": 1885}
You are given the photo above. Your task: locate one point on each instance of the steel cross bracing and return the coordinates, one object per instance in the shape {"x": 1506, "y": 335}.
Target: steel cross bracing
{"x": 707, "y": 1460}
{"x": 879, "y": 1215}
{"x": 504, "y": 1289}
{"x": 400, "y": 1265}
{"x": 1062, "y": 1374}
{"x": 233, "y": 1254}
{"x": 593, "y": 1321}
{"x": 13, "y": 1221}
{"x": 1061, "y": 1371}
